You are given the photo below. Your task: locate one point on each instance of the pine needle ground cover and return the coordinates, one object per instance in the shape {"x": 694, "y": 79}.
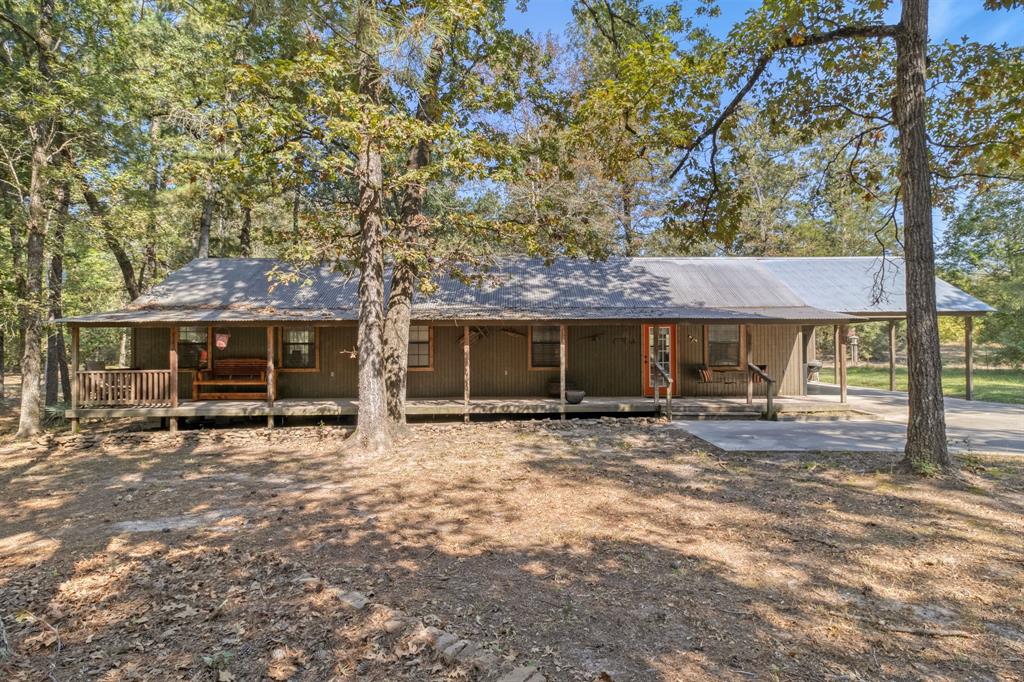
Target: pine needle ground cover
{"x": 585, "y": 548}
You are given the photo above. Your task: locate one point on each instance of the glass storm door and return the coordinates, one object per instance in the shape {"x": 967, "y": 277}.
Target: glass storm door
{"x": 659, "y": 349}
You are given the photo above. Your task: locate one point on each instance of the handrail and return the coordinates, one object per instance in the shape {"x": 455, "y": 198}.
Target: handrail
{"x": 769, "y": 407}
{"x": 97, "y": 387}
{"x": 667, "y": 376}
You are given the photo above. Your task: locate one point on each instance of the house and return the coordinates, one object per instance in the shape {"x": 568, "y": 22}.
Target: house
{"x": 235, "y": 337}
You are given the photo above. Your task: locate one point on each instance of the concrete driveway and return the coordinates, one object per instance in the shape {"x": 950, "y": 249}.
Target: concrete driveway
{"x": 970, "y": 426}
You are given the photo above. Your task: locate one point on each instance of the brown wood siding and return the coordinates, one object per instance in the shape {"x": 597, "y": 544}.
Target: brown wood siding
{"x": 445, "y": 380}
{"x": 606, "y": 360}
{"x": 338, "y": 375}
{"x": 150, "y": 350}
{"x": 777, "y": 346}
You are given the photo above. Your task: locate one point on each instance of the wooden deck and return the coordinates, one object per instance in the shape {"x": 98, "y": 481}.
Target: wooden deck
{"x": 682, "y": 408}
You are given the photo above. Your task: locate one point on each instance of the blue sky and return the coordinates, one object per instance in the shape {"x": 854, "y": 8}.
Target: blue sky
{"x": 947, "y": 19}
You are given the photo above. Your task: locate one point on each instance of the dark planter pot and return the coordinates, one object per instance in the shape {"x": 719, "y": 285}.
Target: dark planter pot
{"x": 574, "y": 397}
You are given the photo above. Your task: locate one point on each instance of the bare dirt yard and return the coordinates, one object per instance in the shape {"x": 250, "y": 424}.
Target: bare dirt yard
{"x": 593, "y": 550}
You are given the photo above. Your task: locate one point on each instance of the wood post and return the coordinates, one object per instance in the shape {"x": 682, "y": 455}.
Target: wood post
{"x": 465, "y": 373}
{"x": 969, "y": 356}
{"x": 749, "y": 345}
{"x": 562, "y": 335}
{"x": 75, "y": 424}
{"x": 835, "y": 354}
{"x": 892, "y": 355}
{"x": 271, "y": 378}
{"x": 841, "y": 358}
{"x": 172, "y": 364}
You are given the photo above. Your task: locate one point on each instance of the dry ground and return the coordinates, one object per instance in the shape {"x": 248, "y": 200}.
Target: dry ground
{"x": 597, "y": 550}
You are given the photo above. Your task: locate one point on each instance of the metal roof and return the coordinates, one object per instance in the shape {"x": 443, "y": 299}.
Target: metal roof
{"x": 223, "y": 290}
{"x": 863, "y": 286}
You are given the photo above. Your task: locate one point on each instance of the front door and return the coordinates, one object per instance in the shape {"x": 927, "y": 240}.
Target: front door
{"x": 659, "y": 350}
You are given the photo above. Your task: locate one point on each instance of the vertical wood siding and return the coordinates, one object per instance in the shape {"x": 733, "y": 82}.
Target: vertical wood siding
{"x": 603, "y": 360}
{"x": 777, "y": 346}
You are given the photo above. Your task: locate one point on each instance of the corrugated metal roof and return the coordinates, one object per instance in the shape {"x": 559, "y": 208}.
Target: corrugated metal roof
{"x": 863, "y": 286}
{"x": 240, "y": 290}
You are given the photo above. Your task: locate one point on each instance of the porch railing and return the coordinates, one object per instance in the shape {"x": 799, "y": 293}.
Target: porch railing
{"x": 124, "y": 387}
{"x": 769, "y": 412}
{"x": 666, "y": 377}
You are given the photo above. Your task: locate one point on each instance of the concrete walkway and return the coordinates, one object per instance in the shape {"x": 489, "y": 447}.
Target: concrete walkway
{"x": 972, "y": 426}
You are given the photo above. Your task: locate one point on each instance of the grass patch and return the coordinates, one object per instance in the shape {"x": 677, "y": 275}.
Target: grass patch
{"x": 996, "y": 385}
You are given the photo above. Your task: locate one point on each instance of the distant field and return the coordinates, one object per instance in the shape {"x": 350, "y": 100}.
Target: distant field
{"x": 997, "y": 385}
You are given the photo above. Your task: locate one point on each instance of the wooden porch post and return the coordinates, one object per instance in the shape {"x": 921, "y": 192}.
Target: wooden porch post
{"x": 75, "y": 424}
{"x": 892, "y": 355}
{"x": 271, "y": 379}
{"x": 841, "y": 358}
{"x": 465, "y": 373}
{"x": 749, "y": 344}
{"x": 835, "y": 353}
{"x": 172, "y": 363}
{"x": 562, "y": 334}
{"x": 969, "y": 356}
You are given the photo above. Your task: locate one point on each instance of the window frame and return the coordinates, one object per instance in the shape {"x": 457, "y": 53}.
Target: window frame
{"x": 741, "y": 362}
{"x": 208, "y": 348}
{"x": 429, "y": 367}
{"x": 280, "y": 350}
{"x": 529, "y": 349}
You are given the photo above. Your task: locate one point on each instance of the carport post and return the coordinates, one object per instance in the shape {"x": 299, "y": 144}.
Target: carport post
{"x": 843, "y": 330}
{"x": 892, "y": 355}
{"x": 835, "y": 353}
{"x": 969, "y": 355}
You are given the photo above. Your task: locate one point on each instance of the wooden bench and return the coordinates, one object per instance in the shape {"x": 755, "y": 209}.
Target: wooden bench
{"x": 233, "y": 372}
{"x": 707, "y": 375}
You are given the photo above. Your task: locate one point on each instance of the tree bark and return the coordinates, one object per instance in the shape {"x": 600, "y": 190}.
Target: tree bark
{"x": 132, "y": 284}
{"x": 926, "y": 429}
{"x": 373, "y": 428}
{"x": 30, "y": 307}
{"x": 245, "y": 234}
{"x": 55, "y": 283}
{"x": 205, "y": 221}
{"x": 30, "y": 421}
{"x": 3, "y": 365}
{"x": 405, "y": 272}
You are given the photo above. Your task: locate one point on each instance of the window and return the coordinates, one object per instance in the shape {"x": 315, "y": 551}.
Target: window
{"x": 421, "y": 351}
{"x": 192, "y": 347}
{"x": 298, "y": 348}
{"x": 544, "y": 347}
{"x": 723, "y": 345}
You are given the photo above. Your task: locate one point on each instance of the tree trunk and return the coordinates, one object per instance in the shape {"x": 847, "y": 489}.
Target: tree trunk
{"x": 55, "y": 284}
{"x": 396, "y": 338}
{"x": 405, "y": 272}
{"x": 628, "y": 231}
{"x": 373, "y": 428}
{"x": 30, "y": 313}
{"x": 132, "y": 284}
{"x": 205, "y": 221}
{"x": 926, "y": 430}
{"x": 245, "y": 235}
{"x": 3, "y": 365}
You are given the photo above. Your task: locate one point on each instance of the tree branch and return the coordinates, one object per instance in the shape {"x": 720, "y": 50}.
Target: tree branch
{"x": 792, "y": 42}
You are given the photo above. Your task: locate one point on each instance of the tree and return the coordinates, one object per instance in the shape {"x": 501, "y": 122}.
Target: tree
{"x": 983, "y": 252}
{"x": 826, "y": 76}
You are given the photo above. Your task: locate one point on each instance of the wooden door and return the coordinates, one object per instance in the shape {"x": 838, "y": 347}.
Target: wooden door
{"x": 659, "y": 346}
